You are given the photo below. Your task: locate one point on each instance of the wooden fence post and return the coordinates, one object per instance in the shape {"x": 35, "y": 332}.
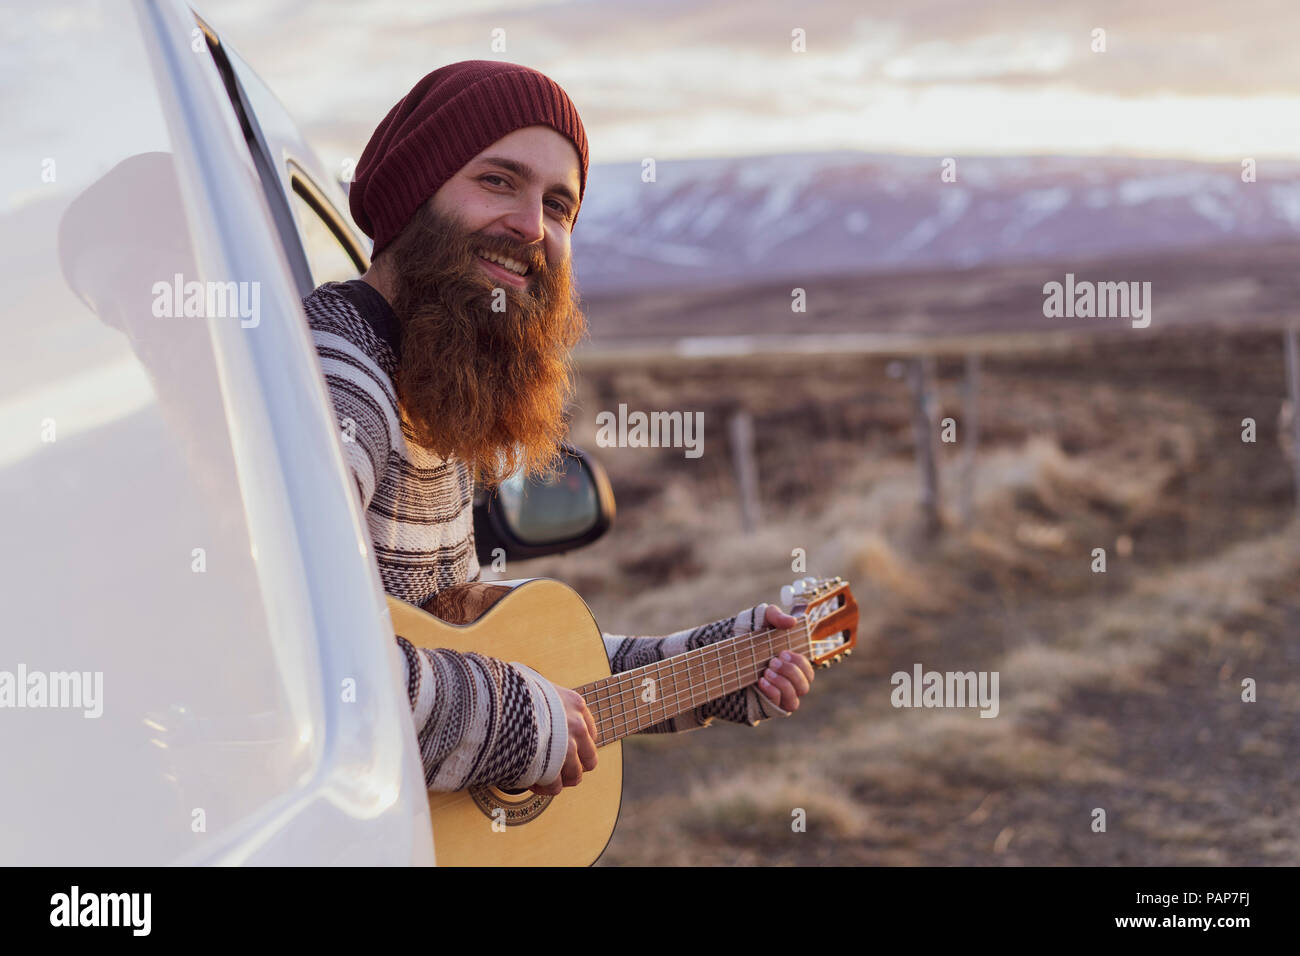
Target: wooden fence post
{"x": 1293, "y": 386}
{"x": 970, "y": 436}
{"x": 741, "y": 427}
{"x": 920, "y": 378}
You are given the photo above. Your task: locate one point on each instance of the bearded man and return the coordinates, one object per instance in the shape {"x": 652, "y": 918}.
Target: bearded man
{"x": 449, "y": 360}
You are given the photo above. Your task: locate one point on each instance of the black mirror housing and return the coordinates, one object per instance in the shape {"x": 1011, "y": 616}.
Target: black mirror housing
{"x": 533, "y": 519}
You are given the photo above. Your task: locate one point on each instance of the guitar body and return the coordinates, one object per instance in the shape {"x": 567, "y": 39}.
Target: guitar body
{"x": 543, "y": 624}
{"x": 547, "y": 626}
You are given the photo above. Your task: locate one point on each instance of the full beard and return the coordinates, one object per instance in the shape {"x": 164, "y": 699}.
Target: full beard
{"x": 487, "y": 387}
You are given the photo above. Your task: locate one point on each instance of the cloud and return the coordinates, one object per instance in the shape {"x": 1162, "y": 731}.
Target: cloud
{"x": 639, "y": 71}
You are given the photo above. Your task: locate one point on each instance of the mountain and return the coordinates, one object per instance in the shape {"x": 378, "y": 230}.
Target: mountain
{"x": 732, "y": 221}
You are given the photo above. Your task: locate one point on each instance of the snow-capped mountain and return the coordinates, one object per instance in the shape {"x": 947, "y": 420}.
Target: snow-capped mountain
{"x": 768, "y": 218}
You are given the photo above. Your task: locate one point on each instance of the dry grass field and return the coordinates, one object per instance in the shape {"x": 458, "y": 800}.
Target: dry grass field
{"x": 1118, "y": 690}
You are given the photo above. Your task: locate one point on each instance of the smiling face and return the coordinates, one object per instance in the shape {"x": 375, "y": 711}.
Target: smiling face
{"x": 521, "y": 196}
{"x": 481, "y": 282}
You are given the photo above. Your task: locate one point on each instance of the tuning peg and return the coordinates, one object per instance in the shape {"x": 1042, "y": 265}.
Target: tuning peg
{"x": 848, "y": 651}
{"x": 787, "y": 595}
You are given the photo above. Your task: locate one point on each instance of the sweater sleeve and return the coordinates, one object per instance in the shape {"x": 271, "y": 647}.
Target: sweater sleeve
{"x": 745, "y": 706}
{"x": 479, "y": 720}
{"x": 357, "y": 366}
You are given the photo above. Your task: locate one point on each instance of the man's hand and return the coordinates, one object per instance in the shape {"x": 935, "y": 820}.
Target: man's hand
{"x": 789, "y": 675}
{"x": 582, "y": 744}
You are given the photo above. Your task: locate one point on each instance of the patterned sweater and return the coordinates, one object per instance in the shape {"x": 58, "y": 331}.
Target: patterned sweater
{"x": 478, "y": 720}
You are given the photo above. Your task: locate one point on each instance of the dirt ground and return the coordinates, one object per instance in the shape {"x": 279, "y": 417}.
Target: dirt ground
{"x": 1119, "y": 691}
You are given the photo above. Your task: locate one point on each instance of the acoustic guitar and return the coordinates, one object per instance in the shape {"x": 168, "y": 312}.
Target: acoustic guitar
{"x": 547, "y": 626}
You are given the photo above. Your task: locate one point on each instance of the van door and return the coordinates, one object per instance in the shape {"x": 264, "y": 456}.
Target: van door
{"x": 196, "y": 660}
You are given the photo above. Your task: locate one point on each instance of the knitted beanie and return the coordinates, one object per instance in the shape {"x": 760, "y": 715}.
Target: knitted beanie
{"x": 447, "y": 119}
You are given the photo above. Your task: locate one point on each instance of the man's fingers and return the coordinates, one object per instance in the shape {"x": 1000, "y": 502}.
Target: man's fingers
{"x": 789, "y": 698}
{"x": 548, "y": 789}
{"x": 572, "y": 772}
{"x": 587, "y": 754}
{"x": 775, "y": 617}
{"x": 584, "y": 733}
{"x": 779, "y": 670}
{"x": 803, "y": 664}
{"x": 798, "y": 665}
{"x": 573, "y": 703}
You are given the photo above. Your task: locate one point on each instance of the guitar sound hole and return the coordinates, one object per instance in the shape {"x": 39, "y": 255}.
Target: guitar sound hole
{"x": 513, "y": 793}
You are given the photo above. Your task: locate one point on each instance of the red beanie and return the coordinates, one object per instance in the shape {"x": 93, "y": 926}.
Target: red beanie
{"x": 447, "y": 119}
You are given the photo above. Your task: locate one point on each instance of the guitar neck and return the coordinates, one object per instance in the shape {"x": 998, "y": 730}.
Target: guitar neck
{"x": 629, "y": 702}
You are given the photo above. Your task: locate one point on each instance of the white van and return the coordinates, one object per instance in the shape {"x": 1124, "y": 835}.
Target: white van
{"x": 196, "y": 663}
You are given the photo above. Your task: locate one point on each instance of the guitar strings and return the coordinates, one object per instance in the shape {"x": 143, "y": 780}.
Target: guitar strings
{"x": 702, "y": 657}
{"x": 612, "y": 690}
{"x": 622, "y": 717}
{"x": 630, "y": 676}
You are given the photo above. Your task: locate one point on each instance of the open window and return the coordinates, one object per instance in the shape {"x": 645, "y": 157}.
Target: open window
{"x": 332, "y": 253}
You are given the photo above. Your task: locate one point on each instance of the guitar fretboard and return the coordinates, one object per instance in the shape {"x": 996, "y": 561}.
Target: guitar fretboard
{"x": 629, "y": 702}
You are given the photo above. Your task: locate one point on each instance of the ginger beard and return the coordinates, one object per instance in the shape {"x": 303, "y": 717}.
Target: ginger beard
{"x": 489, "y": 388}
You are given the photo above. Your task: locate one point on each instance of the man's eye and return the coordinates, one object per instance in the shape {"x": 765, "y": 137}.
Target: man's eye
{"x": 556, "y": 204}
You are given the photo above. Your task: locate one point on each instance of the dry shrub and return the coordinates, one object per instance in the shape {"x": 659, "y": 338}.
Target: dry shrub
{"x": 1228, "y": 584}
{"x": 999, "y": 554}
{"x": 1047, "y": 673}
{"x": 1042, "y": 537}
{"x": 1116, "y": 484}
{"x": 891, "y": 578}
{"x": 944, "y": 754}
{"x": 753, "y": 803}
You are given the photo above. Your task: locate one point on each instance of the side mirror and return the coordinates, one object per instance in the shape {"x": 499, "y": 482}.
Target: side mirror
{"x": 530, "y": 519}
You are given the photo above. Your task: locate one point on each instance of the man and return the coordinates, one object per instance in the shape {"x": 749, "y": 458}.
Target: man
{"x": 450, "y": 357}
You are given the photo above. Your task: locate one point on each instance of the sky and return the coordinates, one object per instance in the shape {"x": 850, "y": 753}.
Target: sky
{"x": 668, "y": 79}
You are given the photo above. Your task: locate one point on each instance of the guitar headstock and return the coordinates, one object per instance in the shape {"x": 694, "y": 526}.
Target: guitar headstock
{"x": 832, "y": 616}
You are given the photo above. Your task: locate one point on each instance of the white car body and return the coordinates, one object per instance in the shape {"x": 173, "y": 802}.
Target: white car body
{"x": 177, "y": 515}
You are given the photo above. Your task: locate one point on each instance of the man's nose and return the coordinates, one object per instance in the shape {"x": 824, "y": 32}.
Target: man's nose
{"x": 525, "y": 220}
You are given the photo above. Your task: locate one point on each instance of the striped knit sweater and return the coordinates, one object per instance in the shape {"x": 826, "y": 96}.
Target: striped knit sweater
{"x": 478, "y": 720}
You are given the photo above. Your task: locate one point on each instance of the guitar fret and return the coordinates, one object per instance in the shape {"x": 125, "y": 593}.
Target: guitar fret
{"x": 665, "y": 671}
{"x": 639, "y": 688}
{"x": 735, "y": 666}
{"x": 694, "y": 680}
{"x": 623, "y": 708}
{"x": 677, "y": 694}
{"x": 662, "y": 671}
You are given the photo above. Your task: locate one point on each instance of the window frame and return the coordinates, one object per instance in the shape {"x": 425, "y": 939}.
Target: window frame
{"x": 279, "y": 201}
{"x": 307, "y": 190}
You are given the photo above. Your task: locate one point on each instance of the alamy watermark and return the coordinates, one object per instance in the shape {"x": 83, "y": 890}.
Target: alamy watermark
{"x": 61, "y": 690}
{"x": 75, "y": 908}
{"x": 923, "y": 688}
{"x": 651, "y": 430}
{"x": 1102, "y": 300}
{"x": 208, "y": 300}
